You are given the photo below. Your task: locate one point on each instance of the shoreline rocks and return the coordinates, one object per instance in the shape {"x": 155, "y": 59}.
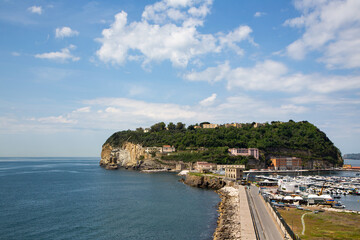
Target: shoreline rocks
{"x": 228, "y": 224}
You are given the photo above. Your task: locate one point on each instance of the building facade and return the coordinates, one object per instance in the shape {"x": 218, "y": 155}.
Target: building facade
{"x": 286, "y": 163}
{"x": 237, "y": 125}
{"x": 245, "y": 152}
{"x": 224, "y": 166}
{"x": 233, "y": 173}
{"x": 210, "y": 125}
{"x": 204, "y": 166}
{"x": 168, "y": 149}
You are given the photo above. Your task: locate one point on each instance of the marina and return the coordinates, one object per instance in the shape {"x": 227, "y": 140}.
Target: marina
{"x": 340, "y": 190}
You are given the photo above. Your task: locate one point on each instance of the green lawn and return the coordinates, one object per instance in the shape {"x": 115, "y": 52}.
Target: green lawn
{"x": 323, "y": 225}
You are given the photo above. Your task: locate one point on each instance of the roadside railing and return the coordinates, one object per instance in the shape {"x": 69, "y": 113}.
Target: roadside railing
{"x": 280, "y": 220}
{"x": 252, "y": 213}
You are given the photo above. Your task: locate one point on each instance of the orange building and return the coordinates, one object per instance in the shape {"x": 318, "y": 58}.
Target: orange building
{"x": 286, "y": 163}
{"x": 347, "y": 166}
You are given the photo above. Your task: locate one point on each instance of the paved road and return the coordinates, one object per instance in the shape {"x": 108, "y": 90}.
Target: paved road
{"x": 266, "y": 225}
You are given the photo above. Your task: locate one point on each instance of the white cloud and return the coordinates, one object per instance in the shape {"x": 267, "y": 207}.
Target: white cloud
{"x": 259, "y": 14}
{"x": 332, "y": 28}
{"x": 208, "y": 101}
{"x": 65, "y": 32}
{"x": 36, "y": 9}
{"x": 129, "y": 108}
{"x": 58, "y": 119}
{"x": 15, "y": 54}
{"x": 167, "y": 31}
{"x": 274, "y": 76}
{"x": 211, "y": 74}
{"x": 61, "y": 56}
{"x": 82, "y": 110}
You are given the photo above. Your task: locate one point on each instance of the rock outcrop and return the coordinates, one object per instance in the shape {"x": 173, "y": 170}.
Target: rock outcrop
{"x": 131, "y": 155}
{"x": 208, "y": 182}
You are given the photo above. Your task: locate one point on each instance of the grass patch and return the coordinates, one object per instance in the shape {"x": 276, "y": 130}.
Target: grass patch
{"x": 323, "y": 225}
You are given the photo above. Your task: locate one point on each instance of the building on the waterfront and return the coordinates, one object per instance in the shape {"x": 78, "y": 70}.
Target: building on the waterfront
{"x": 286, "y": 163}
{"x": 168, "y": 149}
{"x": 347, "y": 166}
{"x": 204, "y": 166}
{"x": 180, "y": 166}
{"x": 245, "y": 152}
{"x": 233, "y": 173}
{"x": 210, "y": 125}
{"x": 224, "y": 166}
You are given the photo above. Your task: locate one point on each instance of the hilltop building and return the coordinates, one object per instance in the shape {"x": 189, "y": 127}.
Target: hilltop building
{"x": 237, "y": 125}
{"x": 210, "y": 125}
{"x": 286, "y": 163}
{"x": 258, "y": 125}
{"x": 245, "y": 152}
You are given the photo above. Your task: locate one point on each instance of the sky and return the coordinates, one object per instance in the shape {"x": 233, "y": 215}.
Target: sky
{"x": 74, "y": 72}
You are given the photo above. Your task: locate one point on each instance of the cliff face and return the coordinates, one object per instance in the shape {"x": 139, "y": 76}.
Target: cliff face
{"x": 204, "y": 182}
{"x": 128, "y": 155}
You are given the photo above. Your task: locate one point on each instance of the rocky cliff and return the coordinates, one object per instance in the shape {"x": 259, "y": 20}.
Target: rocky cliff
{"x": 208, "y": 182}
{"x": 130, "y": 155}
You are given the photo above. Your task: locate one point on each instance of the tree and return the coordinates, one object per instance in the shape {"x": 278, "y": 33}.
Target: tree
{"x": 140, "y": 129}
{"x": 158, "y": 127}
{"x": 180, "y": 126}
{"x": 171, "y": 126}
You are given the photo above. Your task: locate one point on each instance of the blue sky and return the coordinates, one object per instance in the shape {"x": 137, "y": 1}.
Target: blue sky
{"x": 74, "y": 72}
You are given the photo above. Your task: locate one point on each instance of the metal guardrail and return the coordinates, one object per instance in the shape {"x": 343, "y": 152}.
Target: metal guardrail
{"x": 252, "y": 215}
{"x": 286, "y": 226}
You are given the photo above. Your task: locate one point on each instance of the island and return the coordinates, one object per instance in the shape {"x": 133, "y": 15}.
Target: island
{"x": 255, "y": 145}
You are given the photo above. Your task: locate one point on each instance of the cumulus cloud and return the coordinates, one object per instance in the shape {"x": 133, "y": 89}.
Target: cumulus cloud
{"x": 65, "y": 32}
{"x": 259, "y": 14}
{"x": 168, "y": 31}
{"x": 274, "y": 76}
{"x": 330, "y": 27}
{"x": 62, "y": 56}
{"x": 209, "y": 100}
{"x": 35, "y": 9}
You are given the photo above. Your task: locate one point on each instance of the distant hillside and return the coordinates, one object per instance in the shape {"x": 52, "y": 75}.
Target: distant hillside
{"x": 299, "y": 139}
{"x": 355, "y": 156}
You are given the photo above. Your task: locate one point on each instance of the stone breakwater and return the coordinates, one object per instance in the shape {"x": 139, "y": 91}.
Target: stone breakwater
{"x": 229, "y": 226}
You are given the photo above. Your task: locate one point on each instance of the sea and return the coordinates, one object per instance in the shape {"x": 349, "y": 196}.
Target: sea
{"x": 74, "y": 198}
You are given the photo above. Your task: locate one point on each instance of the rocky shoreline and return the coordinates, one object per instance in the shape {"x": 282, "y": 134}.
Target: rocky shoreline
{"x": 228, "y": 224}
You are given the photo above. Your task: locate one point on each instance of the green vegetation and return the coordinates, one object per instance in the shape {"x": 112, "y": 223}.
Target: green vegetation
{"x": 323, "y": 225}
{"x": 218, "y": 155}
{"x": 298, "y": 139}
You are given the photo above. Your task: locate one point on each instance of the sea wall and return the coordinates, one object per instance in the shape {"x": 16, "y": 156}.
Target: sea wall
{"x": 228, "y": 225}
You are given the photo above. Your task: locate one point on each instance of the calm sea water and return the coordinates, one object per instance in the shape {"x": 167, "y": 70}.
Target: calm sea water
{"x": 73, "y": 198}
